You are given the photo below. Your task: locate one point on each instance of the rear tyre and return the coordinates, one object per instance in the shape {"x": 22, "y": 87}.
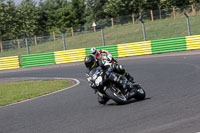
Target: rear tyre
{"x": 115, "y": 94}
{"x": 140, "y": 94}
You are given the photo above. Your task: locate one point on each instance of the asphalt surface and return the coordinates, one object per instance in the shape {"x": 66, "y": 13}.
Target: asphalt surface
{"x": 172, "y": 86}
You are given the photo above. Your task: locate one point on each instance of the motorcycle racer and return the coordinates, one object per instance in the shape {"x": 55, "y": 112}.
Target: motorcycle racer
{"x": 115, "y": 66}
{"x": 91, "y": 63}
{"x": 97, "y": 53}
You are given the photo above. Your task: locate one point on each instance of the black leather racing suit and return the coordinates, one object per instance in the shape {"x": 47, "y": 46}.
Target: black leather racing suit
{"x": 120, "y": 69}
{"x": 116, "y": 68}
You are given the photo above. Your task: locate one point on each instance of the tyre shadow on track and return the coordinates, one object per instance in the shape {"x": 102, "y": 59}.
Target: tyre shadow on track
{"x": 128, "y": 102}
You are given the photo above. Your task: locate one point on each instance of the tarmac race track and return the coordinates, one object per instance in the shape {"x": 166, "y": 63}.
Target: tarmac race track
{"x": 172, "y": 85}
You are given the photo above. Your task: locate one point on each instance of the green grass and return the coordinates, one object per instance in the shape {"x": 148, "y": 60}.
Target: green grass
{"x": 128, "y": 33}
{"x": 17, "y": 91}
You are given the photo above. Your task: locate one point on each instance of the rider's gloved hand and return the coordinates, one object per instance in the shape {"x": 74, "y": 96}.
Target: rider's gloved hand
{"x": 93, "y": 85}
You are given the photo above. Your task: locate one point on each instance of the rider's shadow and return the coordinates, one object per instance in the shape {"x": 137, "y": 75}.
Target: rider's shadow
{"x": 112, "y": 103}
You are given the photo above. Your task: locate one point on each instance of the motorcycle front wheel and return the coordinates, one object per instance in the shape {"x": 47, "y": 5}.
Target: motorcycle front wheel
{"x": 115, "y": 94}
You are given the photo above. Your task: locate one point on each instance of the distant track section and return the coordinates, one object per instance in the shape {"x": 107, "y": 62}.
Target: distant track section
{"x": 119, "y": 50}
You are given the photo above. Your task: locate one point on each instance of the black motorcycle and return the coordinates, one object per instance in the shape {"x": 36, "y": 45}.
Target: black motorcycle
{"x": 98, "y": 78}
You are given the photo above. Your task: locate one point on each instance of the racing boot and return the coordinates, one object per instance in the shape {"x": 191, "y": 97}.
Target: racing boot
{"x": 121, "y": 81}
{"x": 126, "y": 85}
{"x": 129, "y": 77}
{"x": 132, "y": 89}
{"x": 137, "y": 85}
{"x": 130, "y": 86}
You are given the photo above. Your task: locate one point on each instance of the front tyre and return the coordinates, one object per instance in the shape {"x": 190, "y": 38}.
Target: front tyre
{"x": 115, "y": 94}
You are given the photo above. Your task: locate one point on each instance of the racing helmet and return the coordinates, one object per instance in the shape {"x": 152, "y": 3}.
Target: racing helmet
{"x": 94, "y": 51}
{"x": 90, "y": 61}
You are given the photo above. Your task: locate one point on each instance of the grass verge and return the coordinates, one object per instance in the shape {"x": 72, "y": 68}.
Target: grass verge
{"x": 18, "y": 91}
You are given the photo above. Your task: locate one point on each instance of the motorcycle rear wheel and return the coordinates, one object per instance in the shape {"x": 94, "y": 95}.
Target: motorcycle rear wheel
{"x": 140, "y": 94}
